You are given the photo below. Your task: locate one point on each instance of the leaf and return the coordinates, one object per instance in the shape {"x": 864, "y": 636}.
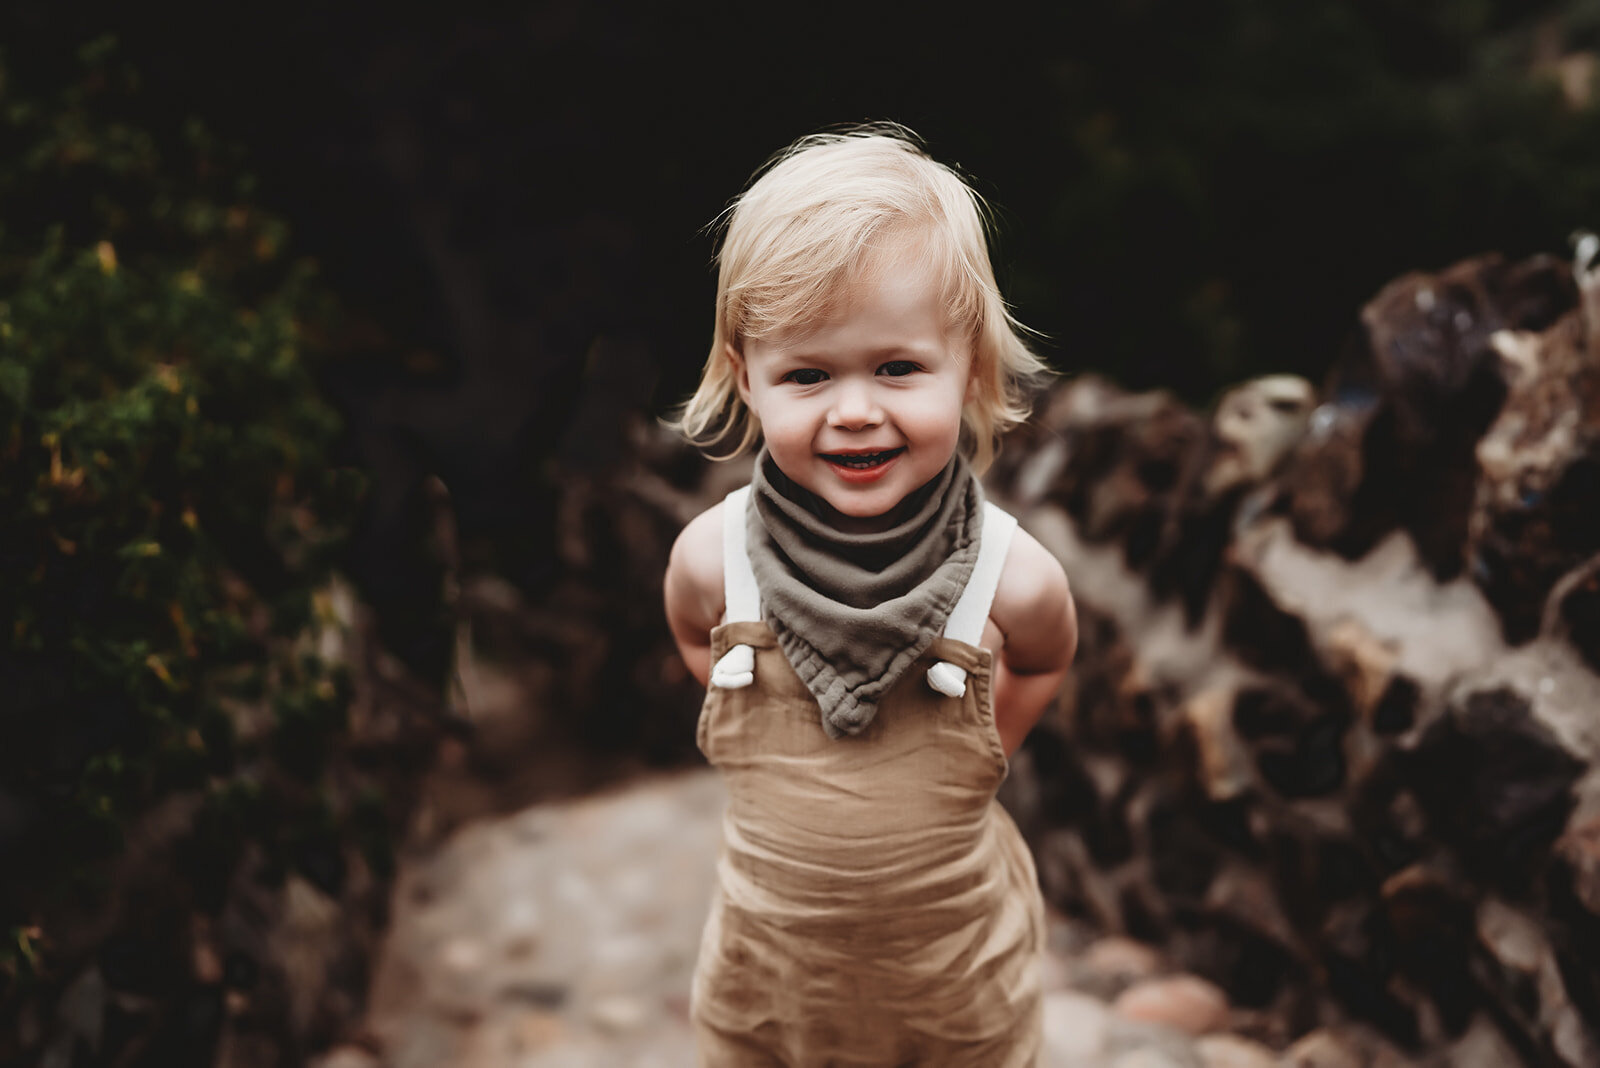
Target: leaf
{"x": 14, "y": 381}
{"x": 159, "y": 667}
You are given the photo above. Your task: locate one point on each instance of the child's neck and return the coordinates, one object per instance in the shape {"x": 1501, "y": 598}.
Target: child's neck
{"x": 867, "y": 524}
{"x": 836, "y": 520}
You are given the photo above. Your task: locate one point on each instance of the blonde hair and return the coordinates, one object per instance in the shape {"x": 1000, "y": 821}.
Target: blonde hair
{"x": 799, "y": 236}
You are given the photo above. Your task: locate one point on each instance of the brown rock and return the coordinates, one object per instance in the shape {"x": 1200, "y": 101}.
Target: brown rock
{"x": 1383, "y": 701}
{"x": 1183, "y": 1002}
{"x": 1322, "y": 1049}
{"x": 1363, "y": 662}
{"x": 1481, "y": 1044}
{"x": 1535, "y": 519}
{"x": 1136, "y": 710}
{"x": 1254, "y": 968}
{"x": 1574, "y": 1041}
{"x": 1430, "y": 912}
{"x": 1495, "y": 782}
{"x": 1539, "y": 466}
{"x": 1575, "y": 906}
{"x": 1357, "y": 951}
{"x": 1579, "y": 848}
{"x": 1123, "y": 459}
{"x": 1271, "y": 709}
{"x": 1248, "y": 894}
{"x": 1325, "y": 472}
{"x": 1266, "y": 632}
{"x": 1114, "y": 963}
{"x": 1072, "y": 880}
{"x": 1298, "y": 741}
{"x": 1513, "y": 937}
{"x": 1393, "y": 448}
{"x": 1255, "y": 427}
{"x": 205, "y": 955}
{"x": 1225, "y": 770}
{"x": 1574, "y": 604}
{"x": 1183, "y": 858}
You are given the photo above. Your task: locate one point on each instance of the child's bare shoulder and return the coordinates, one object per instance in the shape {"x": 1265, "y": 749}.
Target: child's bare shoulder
{"x": 1033, "y": 604}
{"x": 1031, "y": 580}
{"x": 694, "y": 570}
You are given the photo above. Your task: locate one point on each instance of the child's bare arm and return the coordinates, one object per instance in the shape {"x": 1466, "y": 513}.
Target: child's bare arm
{"x": 1034, "y": 612}
{"x": 692, "y": 589}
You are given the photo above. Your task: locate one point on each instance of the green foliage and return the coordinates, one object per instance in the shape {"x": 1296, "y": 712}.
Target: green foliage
{"x": 168, "y": 512}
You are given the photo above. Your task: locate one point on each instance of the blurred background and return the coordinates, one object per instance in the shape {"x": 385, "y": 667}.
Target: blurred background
{"x": 326, "y": 329}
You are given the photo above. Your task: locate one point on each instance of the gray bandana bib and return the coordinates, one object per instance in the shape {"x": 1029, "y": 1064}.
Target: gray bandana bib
{"x": 852, "y": 612}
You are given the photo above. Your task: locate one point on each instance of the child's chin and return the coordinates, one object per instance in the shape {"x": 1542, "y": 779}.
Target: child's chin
{"x": 860, "y": 502}
{"x": 861, "y": 511}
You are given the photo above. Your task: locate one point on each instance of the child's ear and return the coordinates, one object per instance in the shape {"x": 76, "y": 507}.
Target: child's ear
{"x": 741, "y": 371}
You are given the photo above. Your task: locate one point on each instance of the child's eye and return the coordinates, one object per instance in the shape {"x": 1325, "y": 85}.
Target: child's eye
{"x": 897, "y": 368}
{"x": 805, "y": 376}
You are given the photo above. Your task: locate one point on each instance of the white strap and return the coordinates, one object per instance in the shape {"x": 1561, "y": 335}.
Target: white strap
{"x": 966, "y": 620}
{"x": 738, "y": 578}
{"x": 736, "y": 669}
{"x": 972, "y": 610}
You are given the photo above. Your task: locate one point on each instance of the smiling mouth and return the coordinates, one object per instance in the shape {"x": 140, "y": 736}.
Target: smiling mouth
{"x": 862, "y": 461}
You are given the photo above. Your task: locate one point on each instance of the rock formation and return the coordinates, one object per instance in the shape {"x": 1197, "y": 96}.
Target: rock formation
{"x": 1333, "y": 730}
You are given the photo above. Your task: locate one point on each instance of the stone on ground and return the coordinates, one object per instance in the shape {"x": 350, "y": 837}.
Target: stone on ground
{"x": 1183, "y": 1002}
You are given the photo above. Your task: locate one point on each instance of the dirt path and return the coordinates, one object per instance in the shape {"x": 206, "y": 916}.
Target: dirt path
{"x": 565, "y": 935}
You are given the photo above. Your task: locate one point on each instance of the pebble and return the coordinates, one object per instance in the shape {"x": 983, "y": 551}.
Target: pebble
{"x": 1074, "y": 1027}
{"x": 536, "y": 1030}
{"x": 462, "y": 955}
{"x": 1231, "y": 1051}
{"x": 1481, "y": 1044}
{"x": 619, "y": 1015}
{"x": 347, "y": 1057}
{"x": 1151, "y": 1057}
{"x": 1110, "y": 965}
{"x": 1321, "y": 1049}
{"x": 1184, "y": 1002}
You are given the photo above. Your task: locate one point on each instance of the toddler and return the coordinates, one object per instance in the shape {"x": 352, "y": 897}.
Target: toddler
{"x": 876, "y": 638}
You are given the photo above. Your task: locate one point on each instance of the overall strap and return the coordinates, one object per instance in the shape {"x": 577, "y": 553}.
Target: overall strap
{"x": 736, "y": 668}
{"x": 972, "y": 610}
{"x": 738, "y": 577}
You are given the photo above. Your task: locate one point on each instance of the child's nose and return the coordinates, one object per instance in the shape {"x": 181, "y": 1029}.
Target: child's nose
{"x": 855, "y": 406}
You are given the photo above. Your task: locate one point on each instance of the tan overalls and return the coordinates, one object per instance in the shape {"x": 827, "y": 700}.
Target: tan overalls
{"x": 875, "y": 905}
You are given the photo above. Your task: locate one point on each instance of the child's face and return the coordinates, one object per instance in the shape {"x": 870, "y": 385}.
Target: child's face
{"x": 866, "y": 408}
